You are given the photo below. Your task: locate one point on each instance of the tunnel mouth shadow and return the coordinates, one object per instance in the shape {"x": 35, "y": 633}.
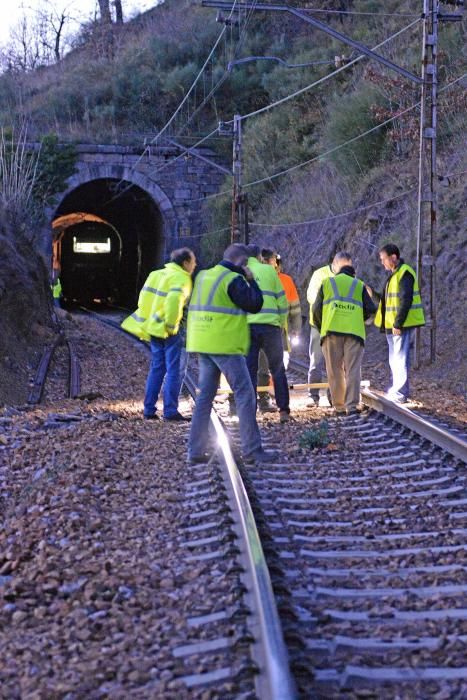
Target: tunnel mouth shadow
{"x": 108, "y": 235}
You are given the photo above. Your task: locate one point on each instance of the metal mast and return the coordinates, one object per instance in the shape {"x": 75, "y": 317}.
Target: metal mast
{"x": 427, "y": 174}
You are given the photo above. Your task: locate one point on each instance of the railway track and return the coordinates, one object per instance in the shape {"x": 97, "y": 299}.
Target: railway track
{"x": 235, "y": 646}
{"x": 73, "y": 381}
{"x": 362, "y": 591}
{"x": 368, "y": 544}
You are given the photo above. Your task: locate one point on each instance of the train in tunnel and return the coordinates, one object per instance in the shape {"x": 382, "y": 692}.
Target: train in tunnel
{"x": 90, "y": 263}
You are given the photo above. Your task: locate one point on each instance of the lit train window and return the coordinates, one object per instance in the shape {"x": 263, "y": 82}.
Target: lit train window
{"x": 91, "y": 246}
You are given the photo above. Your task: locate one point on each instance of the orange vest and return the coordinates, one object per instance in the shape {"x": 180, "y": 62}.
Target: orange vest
{"x": 289, "y": 287}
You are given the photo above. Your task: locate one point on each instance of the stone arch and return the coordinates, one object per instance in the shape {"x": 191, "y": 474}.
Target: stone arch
{"x": 86, "y": 173}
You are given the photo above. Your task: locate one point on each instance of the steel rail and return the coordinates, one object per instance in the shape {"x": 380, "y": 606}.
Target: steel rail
{"x": 403, "y": 415}
{"x": 35, "y": 395}
{"x": 275, "y": 681}
{"x": 400, "y": 413}
{"x": 74, "y": 373}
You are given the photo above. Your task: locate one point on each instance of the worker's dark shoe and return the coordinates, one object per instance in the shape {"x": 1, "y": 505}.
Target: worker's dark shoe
{"x": 284, "y": 416}
{"x": 199, "y": 459}
{"x": 154, "y": 416}
{"x": 356, "y": 410}
{"x": 177, "y": 417}
{"x": 261, "y": 456}
{"x": 265, "y": 404}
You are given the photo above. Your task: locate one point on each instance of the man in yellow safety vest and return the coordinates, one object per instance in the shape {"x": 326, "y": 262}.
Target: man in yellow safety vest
{"x": 400, "y": 310}
{"x": 267, "y": 328}
{"x": 217, "y": 330}
{"x": 316, "y": 367}
{"x": 157, "y": 318}
{"x": 341, "y": 308}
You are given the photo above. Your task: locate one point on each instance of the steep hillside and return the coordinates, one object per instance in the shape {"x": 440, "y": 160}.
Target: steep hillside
{"x": 25, "y": 313}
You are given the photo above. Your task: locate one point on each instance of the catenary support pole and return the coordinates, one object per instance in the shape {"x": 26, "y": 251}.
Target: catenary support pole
{"x": 239, "y": 198}
{"x": 427, "y": 174}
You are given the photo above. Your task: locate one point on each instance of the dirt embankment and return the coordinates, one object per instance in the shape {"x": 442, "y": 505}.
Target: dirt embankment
{"x": 25, "y": 313}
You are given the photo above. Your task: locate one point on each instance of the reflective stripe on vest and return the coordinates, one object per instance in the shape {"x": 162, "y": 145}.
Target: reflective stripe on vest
{"x": 349, "y": 296}
{"x": 415, "y": 317}
{"x": 215, "y": 324}
{"x": 275, "y": 307}
{"x": 343, "y": 306}
{"x": 150, "y": 318}
{"x": 171, "y": 290}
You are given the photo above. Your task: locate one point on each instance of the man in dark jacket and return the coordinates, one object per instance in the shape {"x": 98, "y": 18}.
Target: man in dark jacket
{"x": 341, "y": 308}
{"x": 218, "y": 331}
{"x": 400, "y": 310}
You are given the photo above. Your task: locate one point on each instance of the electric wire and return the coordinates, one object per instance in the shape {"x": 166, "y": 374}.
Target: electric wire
{"x": 334, "y": 216}
{"x": 355, "y": 12}
{"x": 224, "y": 76}
{"x": 187, "y": 95}
{"x": 332, "y": 150}
{"x": 206, "y": 99}
{"x": 180, "y": 106}
{"x": 349, "y": 141}
{"x": 325, "y": 77}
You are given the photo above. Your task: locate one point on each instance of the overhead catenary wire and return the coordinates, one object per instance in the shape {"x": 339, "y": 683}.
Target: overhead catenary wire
{"x": 334, "y": 216}
{"x": 179, "y": 108}
{"x": 187, "y": 95}
{"x": 332, "y": 150}
{"x": 223, "y": 77}
{"x": 356, "y": 12}
{"x": 325, "y": 77}
{"x": 302, "y": 90}
{"x": 349, "y": 141}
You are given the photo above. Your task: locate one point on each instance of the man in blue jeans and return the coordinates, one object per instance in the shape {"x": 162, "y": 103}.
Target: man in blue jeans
{"x": 160, "y": 311}
{"x": 217, "y": 330}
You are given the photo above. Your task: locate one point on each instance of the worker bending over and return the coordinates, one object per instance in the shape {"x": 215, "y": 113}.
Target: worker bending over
{"x": 315, "y": 370}
{"x": 157, "y": 318}
{"x": 218, "y": 331}
{"x": 339, "y": 313}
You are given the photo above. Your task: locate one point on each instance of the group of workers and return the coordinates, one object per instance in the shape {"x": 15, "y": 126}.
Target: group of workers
{"x": 243, "y": 312}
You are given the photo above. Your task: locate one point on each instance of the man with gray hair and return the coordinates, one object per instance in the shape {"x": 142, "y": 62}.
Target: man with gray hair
{"x": 218, "y": 331}
{"x": 316, "y": 368}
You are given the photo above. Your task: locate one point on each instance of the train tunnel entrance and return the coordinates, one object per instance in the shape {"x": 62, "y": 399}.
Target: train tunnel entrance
{"x": 108, "y": 235}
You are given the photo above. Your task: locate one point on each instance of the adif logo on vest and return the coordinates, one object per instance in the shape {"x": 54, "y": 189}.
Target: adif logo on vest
{"x": 343, "y": 306}
{"x": 206, "y": 318}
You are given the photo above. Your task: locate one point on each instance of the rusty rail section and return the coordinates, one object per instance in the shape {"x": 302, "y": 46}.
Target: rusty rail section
{"x": 74, "y": 373}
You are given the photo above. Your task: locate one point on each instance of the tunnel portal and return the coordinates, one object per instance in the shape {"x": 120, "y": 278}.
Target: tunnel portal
{"x": 108, "y": 235}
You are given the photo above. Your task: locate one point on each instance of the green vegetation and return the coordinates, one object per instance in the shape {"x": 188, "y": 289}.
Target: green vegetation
{"x": 127, "y": 89}
{"x": 315, "y": 437}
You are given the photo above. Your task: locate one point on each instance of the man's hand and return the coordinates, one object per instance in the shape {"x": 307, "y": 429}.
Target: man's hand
{"x": 248, "y": 273}
{"x": 396, "y": 331}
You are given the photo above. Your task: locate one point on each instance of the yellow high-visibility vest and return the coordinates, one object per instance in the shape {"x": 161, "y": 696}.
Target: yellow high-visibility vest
{"x": 215, "y": 324}
{"x": 275, "y": 306}
{"x": 415, "y": 317}
{"x": 160, "y": 303}
{"x": 343, "y": 306}
{"x": 317, "y": 279}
